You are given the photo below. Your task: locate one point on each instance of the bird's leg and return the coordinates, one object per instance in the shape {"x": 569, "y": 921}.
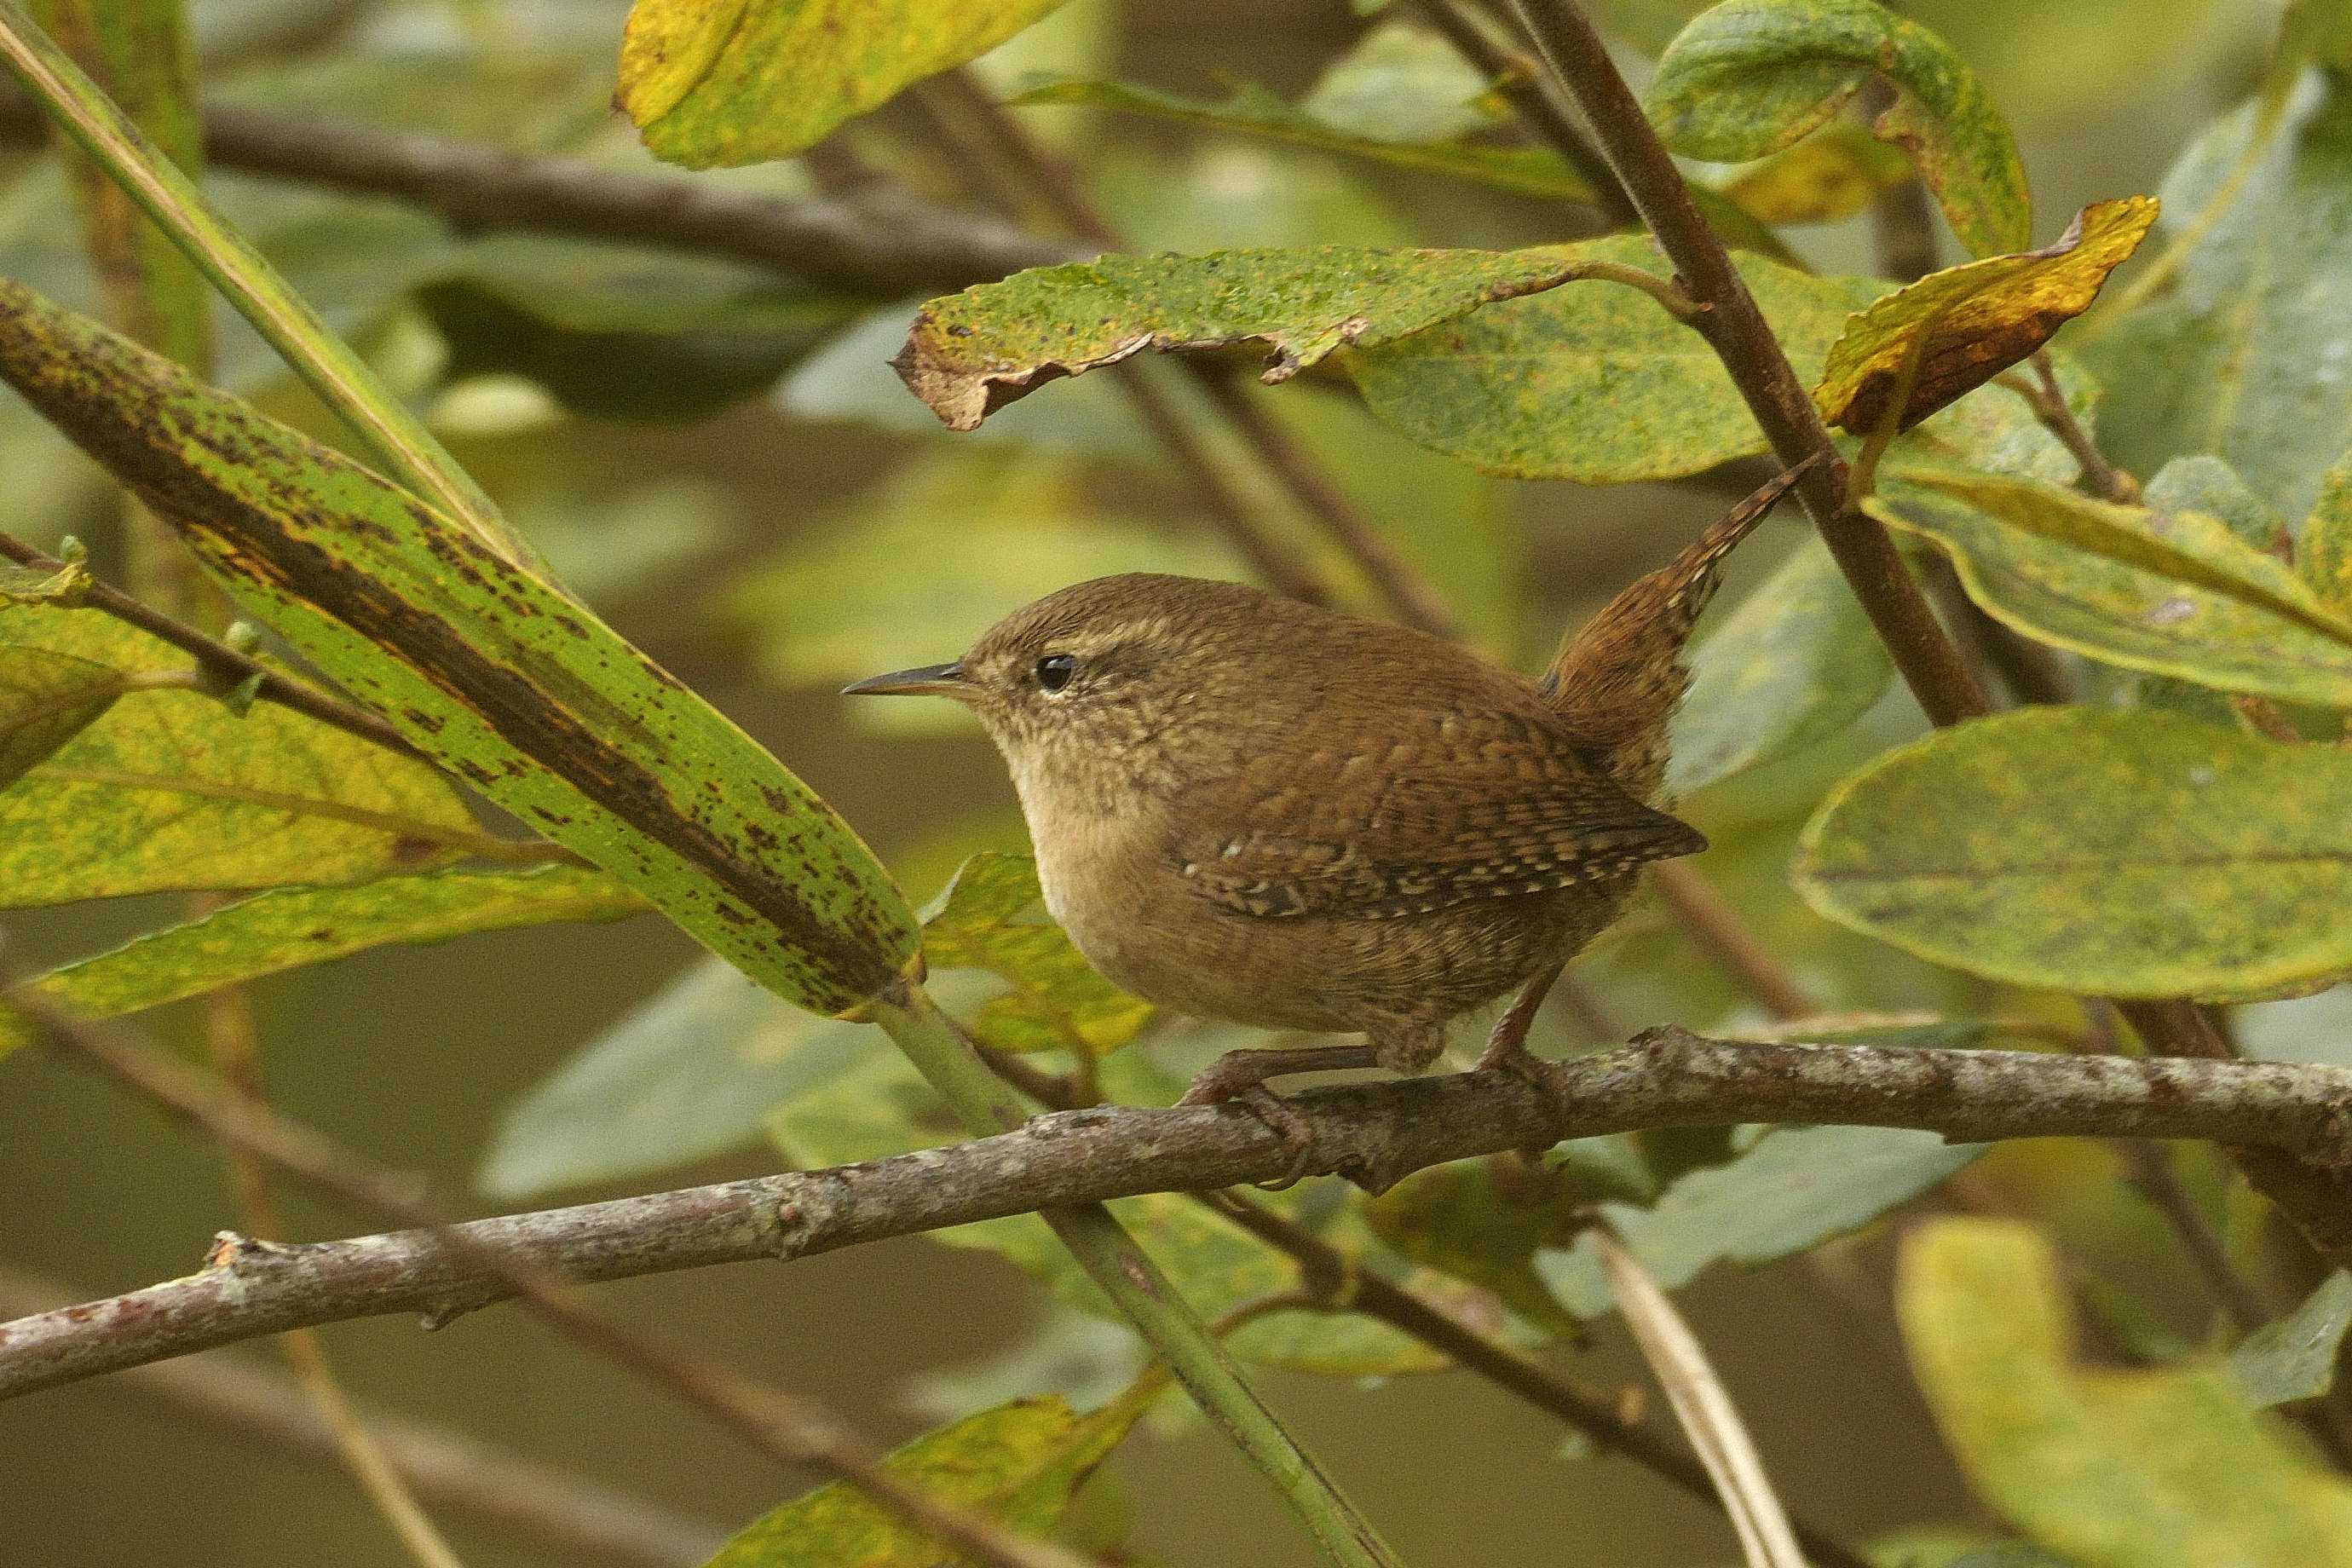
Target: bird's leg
{"x": 1240, "y": 1076}
{"x": 1507, "y": 1045}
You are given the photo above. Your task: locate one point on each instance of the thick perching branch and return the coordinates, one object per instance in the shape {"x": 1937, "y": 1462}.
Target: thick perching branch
{"x": 1374, "y": 1134}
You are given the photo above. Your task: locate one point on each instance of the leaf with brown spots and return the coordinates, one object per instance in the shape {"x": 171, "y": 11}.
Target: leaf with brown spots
{"x": 288, "y": 927}
{"x": 486, "y": 668}
{"x": 1953, "y": 331}
{"x": 970, "y": 354}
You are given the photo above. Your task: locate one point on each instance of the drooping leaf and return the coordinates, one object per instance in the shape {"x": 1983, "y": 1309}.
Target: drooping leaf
{"x": 2295, "y": 1358}
{"x": 2245, "y": 357}
{"x": 1934, "y": 341}
{"x": 991, "y": 916}
{"x": 1253, "y": 110}
{"x": 880, "y": 1108}
{"x": 1021, "y": 1463}
{"x": 968, "y": 354}
{"x": 2113, "y": 1469}
{"x": 2323, "y": 551}
{"x": 2174, "y": 592}
{"x": 2134, "y": 854}
{"x": 45, "y": 700}
{"x": 287, "y": 928}
{"x": 1749, "y": 76}
{"x": 745, "y": 81}
{"x": 1792, "y": 1189}
{"x": 1594, "y": 383}
{"x": 1795, "y": 662}
{"x": 170, "y": 791}
{"x": 484, "y": 667}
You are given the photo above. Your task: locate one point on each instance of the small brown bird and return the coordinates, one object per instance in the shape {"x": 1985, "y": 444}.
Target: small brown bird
{"x": 1249, "y": 808}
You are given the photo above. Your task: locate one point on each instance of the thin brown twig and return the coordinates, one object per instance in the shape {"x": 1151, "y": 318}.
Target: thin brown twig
{"x": 1718, "y": 929}
{"x": 2048, "y": 400}
{"x": 787, "y": 1430}
{"x": 1373, "y": 1134}
{"x": 1736, "y": 328}
{"x": 231, "y": 667}
{"x": 1524, "y": 86}
{"x": 567, "y": 1514}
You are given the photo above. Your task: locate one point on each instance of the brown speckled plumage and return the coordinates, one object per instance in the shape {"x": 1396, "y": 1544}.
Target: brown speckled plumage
{"x": 1252, "y": 809}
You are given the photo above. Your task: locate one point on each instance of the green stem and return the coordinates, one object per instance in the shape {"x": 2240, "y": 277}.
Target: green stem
{"x": 340, "y": 377}
{"x": 1136, "y": 1286}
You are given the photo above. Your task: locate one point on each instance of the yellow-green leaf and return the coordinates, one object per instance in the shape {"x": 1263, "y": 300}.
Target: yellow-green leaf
{"x": 170, "y": 791}
{"x": 288, "y": 927}
{"x": 2133, "y": 854}
{"x": 1953, "y": 331}
{"x": 1749, "y": 76}
{"x": 881, "y": 1107}
{"x": 1594, "y": 383}
{"x": 1795, "y": 663}
{"x": 2295, "y": 1357}
{"x": 2173, "y": 593}
{"x": 483, "y": 666}
{"x": 45, "y": 700}
{"x": 991, "y": 916}
{"x": 64, "y": 586}
{"x": 739, "y": 81}
{"x": 2161, "y": 1469}
{"x": 1022, "y": 1463}
{"x": 968, "y": 354}
{"x": 1832, "y": 174}
{"x": 2323, "y": 551}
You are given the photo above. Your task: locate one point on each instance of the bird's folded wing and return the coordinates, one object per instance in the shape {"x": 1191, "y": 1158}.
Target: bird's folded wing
{"x": 1422, "y": 839}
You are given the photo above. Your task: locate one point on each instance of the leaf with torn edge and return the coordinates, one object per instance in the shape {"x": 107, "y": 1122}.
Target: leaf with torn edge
{"x": 1020, "y": 1462}
{"x": 2176, "y": 593}
{"x": 968, "y": 354}
{"x": 1953, "y": 331}
{"x": 1749, "y": 76}
{"x": 289, "y": 928}
{"x": 737, "y": 81}
{"x": 2119, "y": 854}
{"x": 991, "y": 916}
{"x": 483, "y": 666}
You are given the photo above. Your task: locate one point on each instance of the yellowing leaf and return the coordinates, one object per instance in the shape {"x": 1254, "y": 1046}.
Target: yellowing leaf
{"x": 2173, "y": 593}
{"x": 288, "y": 927}
{"x": 2323, "y": 552}
{"x": 742, "y": 80}
{"x": 45, "y": 700}
{"x": 482, "y": 665}
{"x": 1594, "y": 383}
{"x": 1749, "y": 76}
{"x": 2134, "y": 854}
{"x": 968, "y": 354}
{"x": 1832, "y": 174}
{"x": 170, "y": 791}
{"x": 33, "y": 586}
{"x": 992, "y": 917}
{"x": 2159, "y": 1468}
{"x": 1953, "y": 331}
{"x": 1021, "y": 1463}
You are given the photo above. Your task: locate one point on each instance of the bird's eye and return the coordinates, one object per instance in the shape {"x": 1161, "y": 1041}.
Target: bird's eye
{"x": 1054, "y": 671}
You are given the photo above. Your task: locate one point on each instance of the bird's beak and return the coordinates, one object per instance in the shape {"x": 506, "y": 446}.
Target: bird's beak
{"x": 930, "y": 680}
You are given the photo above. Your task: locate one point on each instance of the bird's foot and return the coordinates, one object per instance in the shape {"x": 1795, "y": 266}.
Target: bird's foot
{"x": 1240, "y": 1077}
{"x": 1507, "y": 1045}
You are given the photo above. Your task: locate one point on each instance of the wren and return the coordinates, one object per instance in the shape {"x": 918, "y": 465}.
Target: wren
{"x": 1249, "y": 808}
